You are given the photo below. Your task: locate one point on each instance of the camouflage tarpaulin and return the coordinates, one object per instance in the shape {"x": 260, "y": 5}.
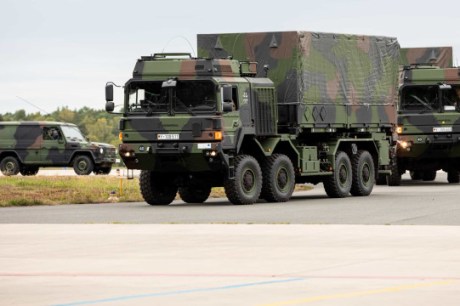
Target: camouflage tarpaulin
{"x": 439, "y": 56}
{"x": 353, "y": 78}
{"x": 315, "y": 67}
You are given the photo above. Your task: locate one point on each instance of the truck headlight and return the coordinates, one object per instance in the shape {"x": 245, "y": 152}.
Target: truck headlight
{"x": 101, "y": 150}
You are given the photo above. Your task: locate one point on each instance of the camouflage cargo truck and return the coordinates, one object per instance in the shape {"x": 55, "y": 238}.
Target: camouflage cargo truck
{"x": 316, "y": 108}
{"x": 428, "y": 123}
{"x": 27, "y": 146}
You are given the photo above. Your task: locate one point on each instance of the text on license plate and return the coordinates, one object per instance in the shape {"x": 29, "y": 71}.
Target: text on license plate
{"x": 167, "y": 136}
{"x": 441, "y": 129}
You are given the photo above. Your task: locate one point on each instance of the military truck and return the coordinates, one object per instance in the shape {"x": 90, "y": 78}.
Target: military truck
{"x": 27, "y": 146}
{"x": 428, "y": 123}
{"x": 257, "y": 113}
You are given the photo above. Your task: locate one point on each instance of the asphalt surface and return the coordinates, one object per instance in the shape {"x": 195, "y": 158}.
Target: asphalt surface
{"x": 413, "y": 203}
{"x": 400, "y": 246}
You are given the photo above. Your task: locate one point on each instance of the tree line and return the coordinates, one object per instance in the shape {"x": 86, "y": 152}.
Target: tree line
{"x": 97, "y": 125}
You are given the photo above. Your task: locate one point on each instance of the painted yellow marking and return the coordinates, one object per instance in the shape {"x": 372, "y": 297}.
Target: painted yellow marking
{"x": 348, "y": 295}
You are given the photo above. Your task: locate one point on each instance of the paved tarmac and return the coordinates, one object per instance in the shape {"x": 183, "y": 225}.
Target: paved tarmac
{"x": 218, "y": 264}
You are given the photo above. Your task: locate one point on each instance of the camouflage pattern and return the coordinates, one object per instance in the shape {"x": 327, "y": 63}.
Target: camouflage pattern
{"x": 50, "y": 144}
{"x": 429, "y": 120}
{"x": 219, "y": 120}
{"x": 436, "y": 56}
{"x": 338, "y": 80}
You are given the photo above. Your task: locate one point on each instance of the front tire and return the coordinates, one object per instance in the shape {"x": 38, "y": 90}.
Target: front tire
{"x": 245, "y": 188}
{"x": 156, "y": 190}
{"x": 278, "y": 178}
{"x": 83, "y": 165}
{"x": 394, "y": 179}
{"x": 338, "y": 185}
{"x": 10, "y": 166}
{"x": 363, "y": 174}
{"x": 195, "y": 193}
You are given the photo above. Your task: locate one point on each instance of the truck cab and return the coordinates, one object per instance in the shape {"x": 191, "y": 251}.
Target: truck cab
{"x": 429, "y": 122}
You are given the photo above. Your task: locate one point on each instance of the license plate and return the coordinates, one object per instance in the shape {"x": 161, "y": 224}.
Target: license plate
{"x": 442, "y": 129}
{"x": 167, "y": 136}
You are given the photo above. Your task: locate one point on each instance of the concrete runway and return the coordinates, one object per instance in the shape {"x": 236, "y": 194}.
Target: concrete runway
{"x": 329, "y": 252}
{"x": 218, "y": 264}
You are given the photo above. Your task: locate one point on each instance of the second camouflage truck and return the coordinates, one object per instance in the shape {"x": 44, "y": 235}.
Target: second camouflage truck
{"x": 318, "y": 108}
{"x": 428, "y": 124}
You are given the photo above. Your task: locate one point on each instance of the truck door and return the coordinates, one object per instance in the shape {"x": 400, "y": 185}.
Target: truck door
{"x": 232, "y": 117}
{"x": 53, "y": 146}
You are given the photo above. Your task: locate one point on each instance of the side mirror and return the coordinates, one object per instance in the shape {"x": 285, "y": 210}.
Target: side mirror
{"x": 227, "y": 93}
{"x": 109, "y": 106}
{"x": 108, "y": 93}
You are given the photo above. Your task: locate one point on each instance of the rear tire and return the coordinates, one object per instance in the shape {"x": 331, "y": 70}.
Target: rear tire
{"x": 156, "y": 190}
{"x": 415, "y": 175}
{"x": 363, "y": 174}
{"x": 453, "y": 177}
{"x": 278, "y": 178}
{"x": 338, "y": 185}
{"x": 245, "y": 188}
{"x": 10, "y": 166}
{"x": 429, "y": 176}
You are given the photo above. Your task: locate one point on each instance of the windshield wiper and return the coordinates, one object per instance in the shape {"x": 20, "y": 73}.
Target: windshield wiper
{"x": 185, "y": 106}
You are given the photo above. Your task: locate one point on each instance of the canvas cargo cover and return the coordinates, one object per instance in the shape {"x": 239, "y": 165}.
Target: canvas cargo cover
{"x": 315, "y": 67}
{"x": 337, "y": 80}
{"x": 438, "y": 56}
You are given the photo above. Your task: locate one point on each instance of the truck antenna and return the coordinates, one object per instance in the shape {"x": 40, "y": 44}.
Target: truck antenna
{"x": 184, "y": 38}
{"x": 28, "y": 102}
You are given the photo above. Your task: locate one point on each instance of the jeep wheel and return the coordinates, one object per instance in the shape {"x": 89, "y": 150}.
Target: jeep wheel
{"x": 278, "y": 178}
{"x": 10, "y": 166}
{"x": 29, "y": 170}
{"x": 83, "y": 165}
{"x": 246, "y": 186}
{"x": 338, "y": 185}
{"x": 156, "y": 189}
{"x": 195, "y": 193}
{"x": 363, "y": 174}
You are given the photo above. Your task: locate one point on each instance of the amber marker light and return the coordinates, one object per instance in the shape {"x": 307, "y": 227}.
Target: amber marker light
{"x": 218, "y": 135}
{"x": 399, "y": 129}
{"x": 120, "y": 136}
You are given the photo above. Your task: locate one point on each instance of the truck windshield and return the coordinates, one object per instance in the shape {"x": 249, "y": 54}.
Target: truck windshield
{"x": 72, "y": 133}
{"x": 420, "y": 99}
{"x": 187, "y": 97}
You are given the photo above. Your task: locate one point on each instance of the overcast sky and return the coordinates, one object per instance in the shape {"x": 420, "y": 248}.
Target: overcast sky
{"x": 56, "y": 53}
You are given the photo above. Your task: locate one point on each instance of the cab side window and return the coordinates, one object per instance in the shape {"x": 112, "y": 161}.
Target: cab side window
{"x": 51, "y": 133}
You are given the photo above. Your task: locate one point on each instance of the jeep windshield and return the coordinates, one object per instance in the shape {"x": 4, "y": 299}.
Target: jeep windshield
{"x": 72, "y": 133}
{"x": 191, "y": 97}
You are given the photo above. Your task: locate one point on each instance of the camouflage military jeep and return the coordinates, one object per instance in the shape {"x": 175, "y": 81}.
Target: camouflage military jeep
{"x": 26, "y": 146}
